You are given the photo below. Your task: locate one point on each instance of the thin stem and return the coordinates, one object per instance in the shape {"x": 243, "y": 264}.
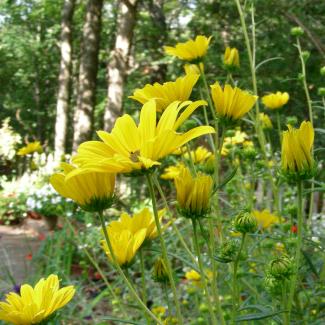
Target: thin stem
{"x": 143, "y": 281}
{"x": 97, "y": 267}
{"x": 123, "y": 276}
{"x": 169, "y": 305}
{"x": 163, "y": 248}
{"x": 279, "y": 126}
{"x": 235, "y": 291}
{"x": 178, "y": 233}
{"x": 293, "y": 283}
{"x": 284, "y": 303}
{"x": 203, "y": 278}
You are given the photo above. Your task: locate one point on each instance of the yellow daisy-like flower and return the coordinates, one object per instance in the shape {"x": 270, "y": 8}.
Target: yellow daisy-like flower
{"x": 231, "y": 57}
{"x": 190, "y": 50}
{"x": 124, "y": 243}
{"x": 238, "y": 138}
{"x": 30, "y": 148}
{"x": 296, "y": 148}
{"x": 35, "y": 305}
{"x": 168, "y": 92}
{"x": 231, "y": 103}
{"x": 172, "y": 172}
{"x": 199, "y": 155}
{"x": 159, "y": 310}
{"x": 142, "y": 220}
{"x": 130, "y": 147}
{"x": 192, "y": 275}
{"x": 276, "y": 100}
{"x": 266, "y": 121}
{"x": 193, "y": 193}
{"x": 92, "y": 191}
{"x": 265, "y": 218}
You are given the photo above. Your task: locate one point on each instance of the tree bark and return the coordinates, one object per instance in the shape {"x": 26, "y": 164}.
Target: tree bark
{"x": 83, "y": 118}
{"x": 119, "y": 63}
{"x": 62, "y": 107}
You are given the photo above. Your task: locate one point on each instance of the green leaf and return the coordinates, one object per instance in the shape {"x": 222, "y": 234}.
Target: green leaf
{"x": 228, "y": 178}
{"x": 258, "y": 316}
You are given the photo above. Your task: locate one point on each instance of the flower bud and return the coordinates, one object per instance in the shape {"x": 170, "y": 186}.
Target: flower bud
{"x": 292, "y": 120}
{"x": 305, "y": 55}
{"x": 228, "y": 251}
{"x": 245, "y": 222}
{"x": 321, "y": 91}
{"x": 281, "y": 267}
{"x": 203, "y": 308}
{"x": 160, "y": 273}
{"x": 296, "y": 31}
{"x": 322, "y": 71}
{"x": 272, "y": 284}
{"x": 230, "y": 133}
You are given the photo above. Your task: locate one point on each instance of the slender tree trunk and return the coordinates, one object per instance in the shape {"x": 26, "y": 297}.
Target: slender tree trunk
{"x": 119, "y": 63}
{"x": 83, "y": 118}
{"x": 62, "y": 107}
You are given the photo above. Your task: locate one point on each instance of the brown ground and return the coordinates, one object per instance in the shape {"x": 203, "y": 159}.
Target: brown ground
{"x": 17, "y": 246}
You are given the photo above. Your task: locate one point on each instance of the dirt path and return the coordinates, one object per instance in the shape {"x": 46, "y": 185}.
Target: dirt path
{"x": 17, "y": 246}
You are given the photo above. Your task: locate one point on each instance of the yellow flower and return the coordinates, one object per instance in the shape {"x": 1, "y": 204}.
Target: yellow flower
{"x": 248, "y": 144}
{"x": 266, "y": 121}
{"x": 199, "y": 155}
{"x": 34, "y": 305}
{"x": 30, "y": 148}
{"x": 276, "y": 100}
{"x": 232, "y": 103}
{"x": 142, "y": 220}
{"x": 194, "y": 68}
{"x": 159, "y": 310}
{"x": 231, "y": 57}
{"x": 190, "y": 50}
{"x": 238, "y": 138}
{"x": 172, "y": 172}
{"x": 129, "y": 147}
{"x": 193, "y": 193}
{"x": 124, "y": 243}
{"x": 296, "y": 148}
{"x": 168, "y": 92}
{"x": 265, "y": 218}
{"x": 92, "y": 191}
{"x": 192, "y": 275}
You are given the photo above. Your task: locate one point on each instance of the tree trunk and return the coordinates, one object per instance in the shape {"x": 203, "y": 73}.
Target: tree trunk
{"x": 83, "y": 118}
{"x": 119, "y": 63}
{"x": 62, "y": 107}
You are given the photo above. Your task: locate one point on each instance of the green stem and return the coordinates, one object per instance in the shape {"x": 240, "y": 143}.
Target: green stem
{"x": 235, "y": 291}
{"x": 143, "y": 282}
{"x": 279, "y": 126}
{"x": 284, "y": 303}
{"x": 163, "y": 248}
{"x": 165, "y": 289}
{"x": 293, "y": 283}
{"x": 96, "y": 266}
{"x": 203, "y": 278}
{"x": 178, "y": 233}
{"x": 123, "y": 276}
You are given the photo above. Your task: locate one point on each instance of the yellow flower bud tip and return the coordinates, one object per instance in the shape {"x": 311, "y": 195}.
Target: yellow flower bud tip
{"x": 92, "y": 191}
{"x": 192, "y": 69}
{"x": 159, "y": 310}
{"x": 131, "y": 148}
{"x": 296, "y": 157}
{"x": 231, "y": 103}
{"x": 192, "y": 275}
{"x": 231, "y": 58}
{"x": 192, "y": 50}
{"x": 35, "y": 305}
{"x": 275, "y": 100}
{"x": 168, "y": 92}
{"x": 193, "y": 193}
{"x": 265, "y": 121}
{"x": 245, "y": 222}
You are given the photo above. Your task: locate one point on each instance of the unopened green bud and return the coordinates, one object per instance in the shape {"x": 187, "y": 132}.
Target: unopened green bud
{"x": 228, "y": 251}
{"x": 200, "y": 321}
{"x": 230, "y": 133}
{"x": 297, "y": 31}
{"x": 281, "y": 267}
{"x": 249, "y": 153}
{"x": 272, "y": 284}
{"x": 203, "y": 308}
{"x": 322, "y": 71}
{"x": 305, "y": 55}
{"x": 292, "y": 120}
{"x": 245, "y": 222}
{"x": 321, "y": 91}
{"x": 160, "y": 273}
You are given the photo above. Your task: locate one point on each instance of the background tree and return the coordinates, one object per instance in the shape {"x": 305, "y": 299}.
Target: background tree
{"x": 62, "y": 106}
{"x": 83, "y": 118}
